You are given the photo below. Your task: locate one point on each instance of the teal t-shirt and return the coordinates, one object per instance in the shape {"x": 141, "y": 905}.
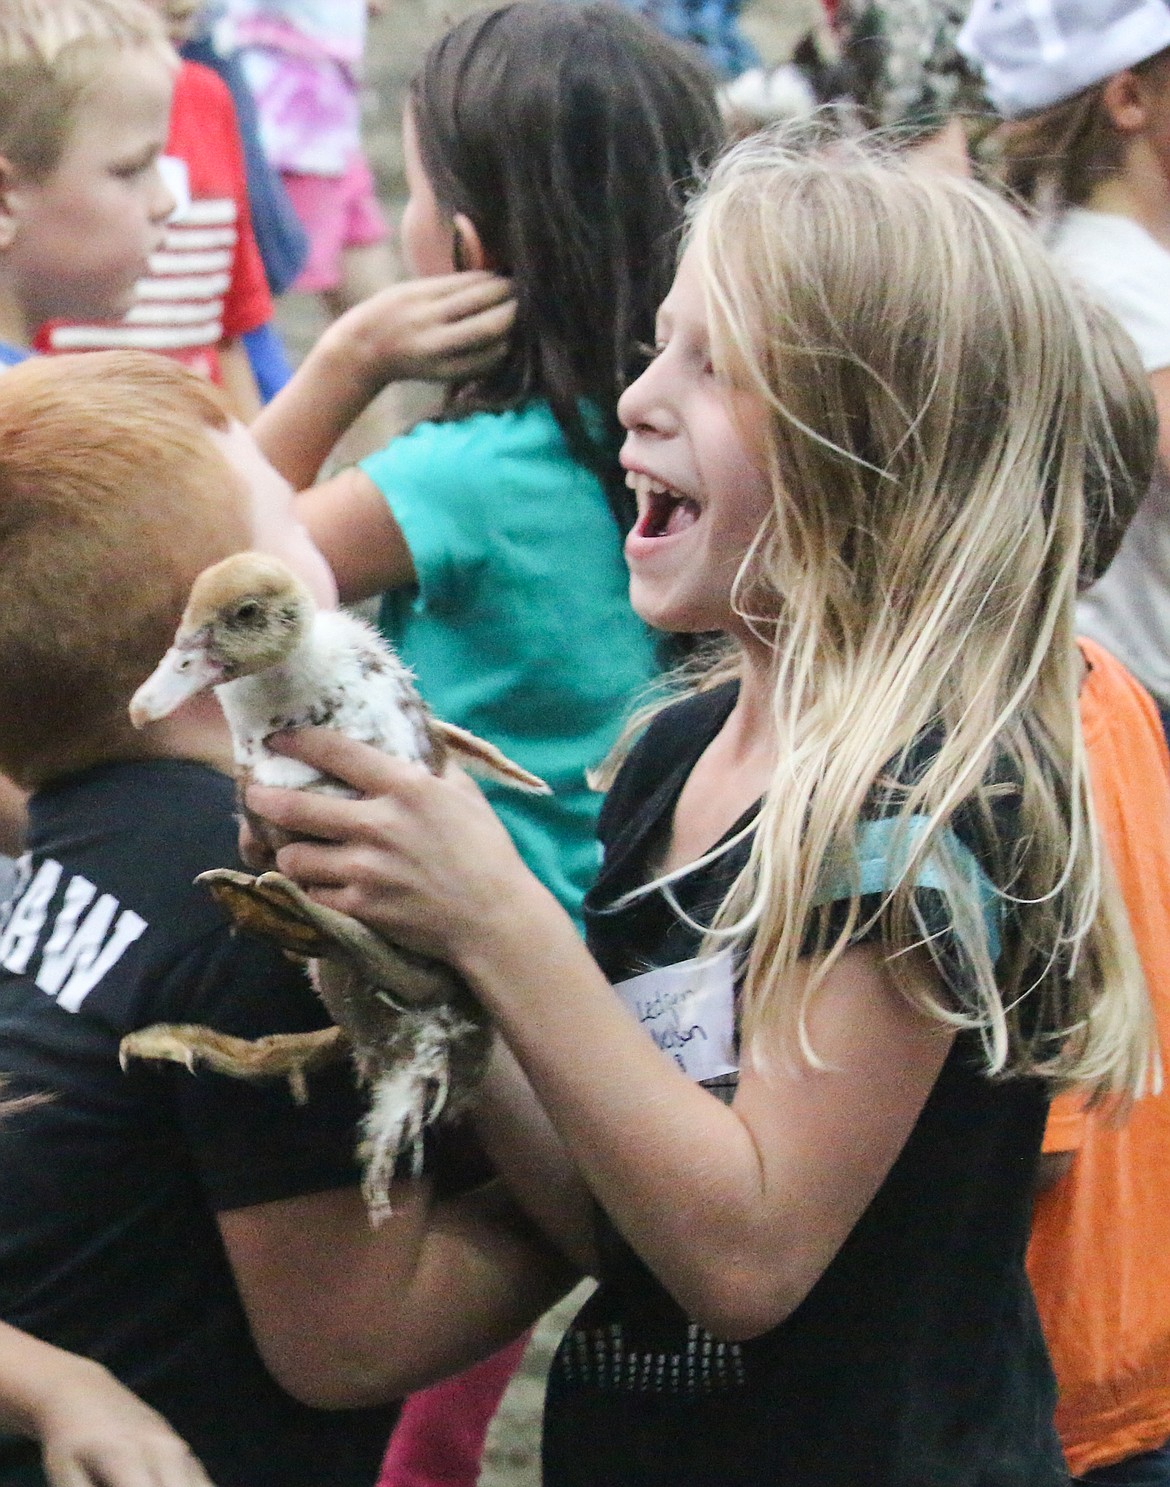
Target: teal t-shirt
{"x": 520, "y": 627}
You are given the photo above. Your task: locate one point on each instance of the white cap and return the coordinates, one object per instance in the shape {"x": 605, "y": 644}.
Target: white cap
{"x": 1034, "y": 53}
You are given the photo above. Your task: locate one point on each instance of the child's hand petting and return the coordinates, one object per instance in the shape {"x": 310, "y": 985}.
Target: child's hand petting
{"x": 422, "y": 860}
{"x": 437, "y": 329}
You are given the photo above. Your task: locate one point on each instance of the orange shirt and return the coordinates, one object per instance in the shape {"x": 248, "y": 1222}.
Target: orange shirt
{"x": 1100, "y": 1251}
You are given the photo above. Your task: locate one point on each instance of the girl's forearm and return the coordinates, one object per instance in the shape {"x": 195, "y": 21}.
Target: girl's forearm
{"x": 300, "y": 426}
{"x": 677, "y": 1171}
{"x": 507, "y": 1277}
{"x": 737, "y": 1209}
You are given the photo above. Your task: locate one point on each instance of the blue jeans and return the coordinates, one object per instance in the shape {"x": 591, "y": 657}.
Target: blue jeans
{"x": 1150, "y": 1469}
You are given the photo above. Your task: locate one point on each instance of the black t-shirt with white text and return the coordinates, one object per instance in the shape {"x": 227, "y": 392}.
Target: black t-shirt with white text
{"x": 109, "y": 1188}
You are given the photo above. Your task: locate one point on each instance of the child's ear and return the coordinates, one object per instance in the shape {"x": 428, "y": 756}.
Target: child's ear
{"x": 1124, "y": 101}
{"x": 469, "y": 249}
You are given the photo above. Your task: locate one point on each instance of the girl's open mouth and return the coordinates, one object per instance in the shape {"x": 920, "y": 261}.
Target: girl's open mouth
{"x": 661, "y": 512}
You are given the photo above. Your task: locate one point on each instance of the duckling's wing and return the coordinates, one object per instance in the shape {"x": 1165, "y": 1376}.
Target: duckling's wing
{"x": 482, "y": 758}
{"x": 373, "y": 698}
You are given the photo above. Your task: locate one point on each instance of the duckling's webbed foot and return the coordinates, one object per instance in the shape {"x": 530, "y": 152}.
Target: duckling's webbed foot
{"x": 262, "y": 908}
{"x": 279, "y": 1055}
{"x": 272, "y": 905}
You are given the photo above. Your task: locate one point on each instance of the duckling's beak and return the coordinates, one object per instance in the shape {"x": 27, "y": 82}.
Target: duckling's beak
{"x": 185, "y": 671}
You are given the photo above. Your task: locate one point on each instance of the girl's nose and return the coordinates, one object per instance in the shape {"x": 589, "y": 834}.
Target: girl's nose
{"x": 627, "y": 405}
{"x": 641, "y": 408}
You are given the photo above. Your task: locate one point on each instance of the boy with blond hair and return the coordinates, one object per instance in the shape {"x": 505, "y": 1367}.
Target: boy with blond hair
{"x": 205, "y": 291}
{"x": 85, "y": 99}
{"x": 85, "y": 96}
{"x": 205, "y": 1239}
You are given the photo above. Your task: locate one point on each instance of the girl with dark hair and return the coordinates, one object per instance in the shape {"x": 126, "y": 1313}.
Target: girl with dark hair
{"x": 554, "y": 144}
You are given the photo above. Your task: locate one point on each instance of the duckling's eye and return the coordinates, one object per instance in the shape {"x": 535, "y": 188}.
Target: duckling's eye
{"x": 248, "y": 612}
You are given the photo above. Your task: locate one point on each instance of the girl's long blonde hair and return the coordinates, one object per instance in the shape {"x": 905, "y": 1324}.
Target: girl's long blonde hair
{"x": 931, "y": 414}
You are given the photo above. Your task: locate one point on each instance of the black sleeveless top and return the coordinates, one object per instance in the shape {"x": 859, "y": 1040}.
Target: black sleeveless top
{"x": 915, "y": 1361}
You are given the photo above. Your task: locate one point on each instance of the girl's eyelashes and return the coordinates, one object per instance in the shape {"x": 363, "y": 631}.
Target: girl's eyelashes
{"x": 700, "y": 357}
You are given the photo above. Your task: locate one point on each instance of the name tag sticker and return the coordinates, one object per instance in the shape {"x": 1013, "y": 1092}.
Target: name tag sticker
{"x": 689, "y": 1011}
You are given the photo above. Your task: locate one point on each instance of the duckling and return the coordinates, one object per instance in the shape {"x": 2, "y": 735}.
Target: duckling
{"x": 253, "y": 633}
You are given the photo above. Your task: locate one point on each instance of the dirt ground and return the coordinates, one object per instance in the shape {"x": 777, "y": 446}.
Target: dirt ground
{"x": 398, "y": 39}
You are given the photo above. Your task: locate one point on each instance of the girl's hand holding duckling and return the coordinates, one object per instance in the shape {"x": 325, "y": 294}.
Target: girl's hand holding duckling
{"x": 424, "y": 861}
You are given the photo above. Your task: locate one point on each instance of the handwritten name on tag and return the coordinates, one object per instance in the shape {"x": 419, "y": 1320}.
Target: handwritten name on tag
{"x": 689, "y": 1011}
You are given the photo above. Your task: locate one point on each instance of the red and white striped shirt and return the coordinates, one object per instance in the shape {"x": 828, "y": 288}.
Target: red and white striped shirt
{"x": 206, "y": 284}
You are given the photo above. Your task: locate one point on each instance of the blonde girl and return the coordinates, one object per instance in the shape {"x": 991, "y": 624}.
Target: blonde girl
{"x": 851, "y": 886}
